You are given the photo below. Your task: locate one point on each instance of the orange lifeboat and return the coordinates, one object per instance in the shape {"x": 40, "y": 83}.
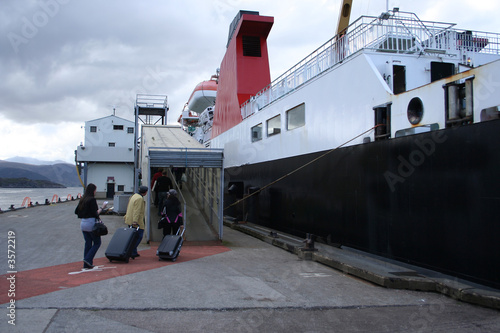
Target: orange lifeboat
{"x": 203, "y": 96}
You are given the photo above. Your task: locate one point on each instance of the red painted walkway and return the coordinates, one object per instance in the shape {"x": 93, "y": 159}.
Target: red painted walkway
{"x": 49, "y": 279}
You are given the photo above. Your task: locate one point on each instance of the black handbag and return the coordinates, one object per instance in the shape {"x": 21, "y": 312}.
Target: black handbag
{"x": 100, "y": 228}
{"x": 162, "y": 223}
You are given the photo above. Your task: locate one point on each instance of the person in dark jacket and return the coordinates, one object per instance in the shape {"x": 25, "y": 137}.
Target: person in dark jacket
{"x": 153, "y": 185}
{"x": 178, "y": 172}
{"x": 172, "y": 211}
{"x": 163, "y": 185}
{"x": 88, "y": 211}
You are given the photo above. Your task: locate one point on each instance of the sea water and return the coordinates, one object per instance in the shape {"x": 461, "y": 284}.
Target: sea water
{"x": 16, "y": 196}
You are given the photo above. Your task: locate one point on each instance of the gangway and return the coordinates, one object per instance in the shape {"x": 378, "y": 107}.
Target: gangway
{"x": 170, "y": 147}
{"x": 199, "y": 214}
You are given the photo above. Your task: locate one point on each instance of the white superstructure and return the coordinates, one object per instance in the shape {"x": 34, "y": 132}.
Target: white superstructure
{"x": 108, "y": 155}
{"x": 388, "y": 62}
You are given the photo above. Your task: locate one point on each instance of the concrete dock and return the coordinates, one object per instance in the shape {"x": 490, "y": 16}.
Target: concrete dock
{"x": 252, "y": 281}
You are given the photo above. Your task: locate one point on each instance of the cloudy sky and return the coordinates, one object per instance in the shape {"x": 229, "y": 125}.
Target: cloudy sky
{"x": 63, "y": 62}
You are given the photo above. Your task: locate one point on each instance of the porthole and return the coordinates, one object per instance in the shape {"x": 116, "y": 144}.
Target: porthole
{"x": 415, "y": 111}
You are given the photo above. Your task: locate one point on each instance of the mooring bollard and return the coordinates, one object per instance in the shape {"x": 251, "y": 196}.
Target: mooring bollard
{"x": 309, "y": 243}
{"x": 306, "y": 251}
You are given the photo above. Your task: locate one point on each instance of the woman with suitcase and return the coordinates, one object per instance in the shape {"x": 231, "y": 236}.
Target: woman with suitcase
{"x": 171, "y": 222}
{"x": 89, "y": 211}
{"x": 172, "y": 212}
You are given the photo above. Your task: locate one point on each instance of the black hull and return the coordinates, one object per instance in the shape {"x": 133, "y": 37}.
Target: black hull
{"x": 431, "y": 199}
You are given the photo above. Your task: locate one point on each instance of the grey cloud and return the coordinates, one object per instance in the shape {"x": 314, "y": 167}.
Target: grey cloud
{"x": 73, "y": 59}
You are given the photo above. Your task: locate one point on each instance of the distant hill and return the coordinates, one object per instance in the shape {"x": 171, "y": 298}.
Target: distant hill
{"x": 60, "y": 173}
{"x": 27, "y": 183}
{"x": 30, "y": 160}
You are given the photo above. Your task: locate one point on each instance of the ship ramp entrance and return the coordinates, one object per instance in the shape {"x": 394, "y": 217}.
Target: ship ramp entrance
{"x": 197, "y": 175}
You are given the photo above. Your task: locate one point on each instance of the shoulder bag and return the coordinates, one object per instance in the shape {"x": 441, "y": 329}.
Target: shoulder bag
{"x": 100, "y": 228}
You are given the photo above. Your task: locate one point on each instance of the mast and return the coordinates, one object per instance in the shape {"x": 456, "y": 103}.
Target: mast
{"x": 345, "y": 14}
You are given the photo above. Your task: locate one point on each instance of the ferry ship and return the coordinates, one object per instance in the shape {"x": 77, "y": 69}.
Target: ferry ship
{"x": 384, "y": 139}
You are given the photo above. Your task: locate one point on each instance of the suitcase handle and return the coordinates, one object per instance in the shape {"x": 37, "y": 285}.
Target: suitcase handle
{"x": 182, "y": 233}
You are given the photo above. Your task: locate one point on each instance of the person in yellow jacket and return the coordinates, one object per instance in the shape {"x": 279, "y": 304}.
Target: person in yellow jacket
{"x": 135, "y": 216}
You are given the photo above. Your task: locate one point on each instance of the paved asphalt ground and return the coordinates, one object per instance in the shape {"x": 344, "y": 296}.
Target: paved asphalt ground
{"x": 243, "y": 284}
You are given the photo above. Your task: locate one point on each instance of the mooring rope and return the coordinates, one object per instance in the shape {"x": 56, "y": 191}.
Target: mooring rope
{"x": 301, "y": 167}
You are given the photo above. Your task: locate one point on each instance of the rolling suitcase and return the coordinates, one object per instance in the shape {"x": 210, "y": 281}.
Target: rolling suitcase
{"x": 121, "y": 244}
{"x": 170, "y": 246}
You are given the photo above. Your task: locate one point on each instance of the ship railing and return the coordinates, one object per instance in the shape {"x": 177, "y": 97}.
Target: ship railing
{"x": 471, "y": 45}
{"x": 399, "y": 32}
{"x": 151, "y": 101}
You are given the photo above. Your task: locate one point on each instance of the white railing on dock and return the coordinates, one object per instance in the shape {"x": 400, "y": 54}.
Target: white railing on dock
{"x": 398, "y": 32}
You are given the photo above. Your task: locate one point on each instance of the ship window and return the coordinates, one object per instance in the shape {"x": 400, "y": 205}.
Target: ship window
{"x": 415, "y": 111}
{"x": 111, "y": 144}
{"x": 251, "y": 46}
{"x": 257, "y": 132}
{"x": 130, "y": 130}
{"x": 93, "y": 129}
{"x": 274, "y": 125}
{"x": 441, "y": 70}
{"x": 118, "y": 127}
{"x": 296, "y": 117}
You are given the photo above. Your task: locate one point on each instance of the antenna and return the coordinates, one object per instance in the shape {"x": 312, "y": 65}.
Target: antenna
{"x": 114, "y": 108}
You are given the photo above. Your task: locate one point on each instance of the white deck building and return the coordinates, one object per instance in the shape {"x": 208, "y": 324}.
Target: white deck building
{"x": 107, "y": 156}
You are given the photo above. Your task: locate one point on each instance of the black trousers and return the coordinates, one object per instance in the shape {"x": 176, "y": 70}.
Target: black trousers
{"x": 171, "y": 229}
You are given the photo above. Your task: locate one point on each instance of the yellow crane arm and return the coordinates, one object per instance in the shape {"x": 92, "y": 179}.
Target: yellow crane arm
{"x": 345, "y": 14}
